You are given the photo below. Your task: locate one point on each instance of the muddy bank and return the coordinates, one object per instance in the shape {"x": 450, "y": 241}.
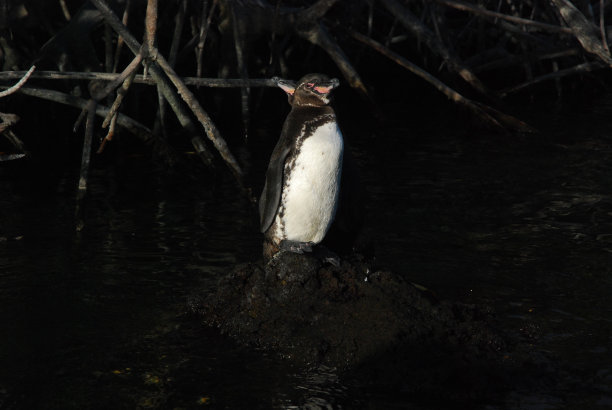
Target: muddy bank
{"x": 388, "y": 331}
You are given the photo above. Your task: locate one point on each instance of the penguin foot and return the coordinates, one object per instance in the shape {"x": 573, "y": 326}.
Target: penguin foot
{"x": 320, "y": 252}
{"x": 296, "y": 246}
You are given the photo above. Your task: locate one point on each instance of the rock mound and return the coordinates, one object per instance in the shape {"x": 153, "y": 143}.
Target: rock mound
{"x": 340, "y": 316}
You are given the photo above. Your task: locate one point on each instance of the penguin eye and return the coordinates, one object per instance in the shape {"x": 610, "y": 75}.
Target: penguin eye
{"x": 309, "y": 85}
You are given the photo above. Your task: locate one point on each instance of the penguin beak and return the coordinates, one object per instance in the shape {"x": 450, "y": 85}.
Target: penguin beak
{"x": 287, "y": 86}
{"x": 325, "y": 88}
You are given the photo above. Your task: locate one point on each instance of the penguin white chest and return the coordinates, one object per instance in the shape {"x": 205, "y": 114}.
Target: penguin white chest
{"x": 310, "y": 193}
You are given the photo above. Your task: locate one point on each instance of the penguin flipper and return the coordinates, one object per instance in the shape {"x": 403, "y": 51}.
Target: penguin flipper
{"x": 271, "y": 195}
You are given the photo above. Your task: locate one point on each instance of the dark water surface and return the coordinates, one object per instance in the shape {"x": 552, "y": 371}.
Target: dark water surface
{"x": 95, "y": 319}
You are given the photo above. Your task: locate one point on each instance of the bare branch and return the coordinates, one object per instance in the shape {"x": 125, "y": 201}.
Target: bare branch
{"x": 129, "y": 71}
{"x": 19, "y": 84}
{"x": 488, "y": 114}
{"x": 179, "y": 22}
{"x": 201, "y": 115}
{"x": 317, "y": 10}
{"x": 493, "y": 15}
{"x": 239, "y": 45}
{"x": 124, "y": 20}
{"x": 121, "y": 93}
{"x": 422, "y": 32}
{"x": 140, "y": 79}
{"x": 169, "y": 94}
{"x": 204, "y": 26}
{"x": 126, "y": 122}
{"x": 582, "y": 29}
{"x": 85, "y": 160}
{"x": 7, "y": 121}
{"x": 86, "y": 155}
{"x": 150, "y": 25}
{"x": 578, "y": 69}
{"x": 602, "y": 26}
{"x": 65, "y": 10}
{"x": 108, "y": 49}
{"x": 318, "y": 35}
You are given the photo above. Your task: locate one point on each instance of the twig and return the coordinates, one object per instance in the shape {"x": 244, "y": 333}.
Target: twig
{"x": 121, "y": 92}
{"x": 126, "y": 122}
{"x": 150, "y": 30}
{"x": 242, "y": 66}
{"x": 16, "y": 141}
{"x": 7, "y": 121}
{"x": 129, "y": 71}
{"x": 389, "y": 35}
{"x": 578, "y": 69}
{"x": 110, "y": 120}
{"x": 201, "y": 115}
{"x": 273, "y": 41}
{"x": 423, "y": 33}
{"x": 189, "y": 46}
{"x": 19, "y": 84}
{"x": 169, "y": 94}
{"x": 150, "y": 25}
{"x": 162, "y": 82}
{"x": 140, "y": 79}
{"x": 558, "y": 86}
{"x": 487, "y": 113}
{"x": 98, "y": 95}
{"x": 108, "y": 49}
{"x": 602, "y": 26}
{"x": 274, "y": 57}
{"x": 11, "y": 157}
{"x": 317, "y": 10}
{"x": 204, "y": 26}
{"x": 493, "y": 15}
{"x": 109, "y": 134}
{"x": 370, "y": 17}
{"x": 318, "y": 35}
{"x": 179, "y": 22}
{"x": 439, "y": 85}
{"x": 559, "y": 54}
{"x": 124, "y": 20}
{"x": 313, "y": 30}
{"x": 514, "y": 60}
{"x": 85, "y": 160}
{"x": 65, "y": 10}
{"x": 80, "y": 119}
{"x": 91, "y": 112}
{"x": 582, "y": 29}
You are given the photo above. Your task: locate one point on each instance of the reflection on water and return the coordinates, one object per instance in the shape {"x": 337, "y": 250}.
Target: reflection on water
{"x": 95, "y": 320}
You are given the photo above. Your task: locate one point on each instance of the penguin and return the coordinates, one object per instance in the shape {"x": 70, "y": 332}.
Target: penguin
{"x": 301, "y": 191}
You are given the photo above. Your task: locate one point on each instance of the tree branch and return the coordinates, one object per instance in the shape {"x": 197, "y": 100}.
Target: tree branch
{"x": 422, "y": 32}
{"x": 578, "y": 69}
{"x": 126, "y": 122}
{"x": 319, "y": 36}
{"x": 582, "y": 29}
{"x": 488, "y": 114}
{"x": 493, "y": 15}
{"x": 140, "y": 79}
{"x": 19, "y": 84}
{"x": 170, "y": 95}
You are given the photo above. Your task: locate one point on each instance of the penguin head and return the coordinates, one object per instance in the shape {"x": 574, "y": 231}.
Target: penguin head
{"x": 310, "y": 90}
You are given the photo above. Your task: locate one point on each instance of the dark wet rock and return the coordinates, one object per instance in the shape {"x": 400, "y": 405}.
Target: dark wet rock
{"x": 388, "y": 332}
{"x": 341, "y": 316}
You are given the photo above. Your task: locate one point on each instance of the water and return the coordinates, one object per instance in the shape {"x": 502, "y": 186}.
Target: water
{"x": 95, "y": 319}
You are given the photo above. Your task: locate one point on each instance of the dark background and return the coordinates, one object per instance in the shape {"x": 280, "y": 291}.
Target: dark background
{"x": 478, "y": 213}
